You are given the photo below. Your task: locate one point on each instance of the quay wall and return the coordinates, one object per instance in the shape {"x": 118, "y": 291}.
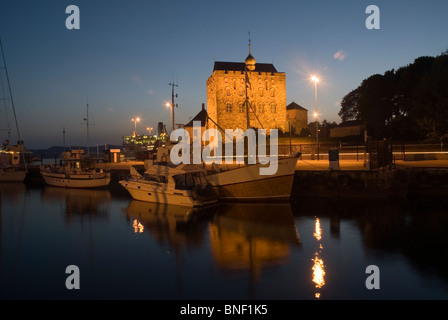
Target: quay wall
{"x": 392, "y": 183}
{"x": 395, "y": 182}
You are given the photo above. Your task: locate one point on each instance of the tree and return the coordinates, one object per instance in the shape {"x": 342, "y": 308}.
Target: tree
{"x": 409, "y": 103}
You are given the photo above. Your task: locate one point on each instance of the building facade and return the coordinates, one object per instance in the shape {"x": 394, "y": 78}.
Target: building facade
{"x": 297, "y": 117}
{"x": 264, "y": 87}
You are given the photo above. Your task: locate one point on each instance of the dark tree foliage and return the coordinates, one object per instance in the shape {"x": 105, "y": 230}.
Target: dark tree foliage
{"x": 410, "y": 103}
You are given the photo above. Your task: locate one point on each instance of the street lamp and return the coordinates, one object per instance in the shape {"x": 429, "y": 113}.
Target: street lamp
{"x": 316, "y": 80}
{"x": 169, "y": 105}
{"x": 149, "y": 131}
{"x": 135, "y": 120}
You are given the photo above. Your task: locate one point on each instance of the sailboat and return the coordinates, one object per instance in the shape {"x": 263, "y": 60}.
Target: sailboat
{"x": 12, "y": 161}
{"x": 76, "y": 170}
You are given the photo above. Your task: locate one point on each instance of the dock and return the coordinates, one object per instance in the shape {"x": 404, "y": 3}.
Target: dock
{"x": 353, "y": 179}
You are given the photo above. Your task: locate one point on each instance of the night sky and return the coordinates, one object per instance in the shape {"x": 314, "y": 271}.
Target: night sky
{"x": 125, "y": 54}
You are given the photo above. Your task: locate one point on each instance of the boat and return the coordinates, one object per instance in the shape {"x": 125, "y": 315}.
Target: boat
{"x": 245, "y": 183}
{"x": 76, "y": 170}
{"x": 11, "y": 169}
{"x": 12, "y": 161}
{"x": 163, "y": 182}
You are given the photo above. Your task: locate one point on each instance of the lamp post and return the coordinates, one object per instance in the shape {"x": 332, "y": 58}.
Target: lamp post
{"x": 316, "y": 80}
{"x": 168, "y": 105}
{"x": 135, "y": 120}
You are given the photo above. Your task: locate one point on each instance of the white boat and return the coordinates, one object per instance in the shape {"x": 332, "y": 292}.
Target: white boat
{"x": 184, "y": 185}
{"x": 75, "y": 171}
{"x": 245, "y": 183}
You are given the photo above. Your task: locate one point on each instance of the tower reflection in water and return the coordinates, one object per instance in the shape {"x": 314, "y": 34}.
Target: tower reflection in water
{"x": 252, "y": 237}
{"x": 318, "y": 267}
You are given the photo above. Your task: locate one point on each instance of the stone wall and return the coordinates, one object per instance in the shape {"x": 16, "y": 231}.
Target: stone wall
{"x": 267, "y": 94}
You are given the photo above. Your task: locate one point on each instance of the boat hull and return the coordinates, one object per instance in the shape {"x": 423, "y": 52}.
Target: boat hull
{"x": 12, "y": 176}
{"x": 247, "y": 184}
{"x": 75, "y": 181}
{"x": 149, "y": 193}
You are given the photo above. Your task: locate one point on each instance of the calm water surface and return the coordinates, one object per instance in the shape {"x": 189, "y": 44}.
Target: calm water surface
{"x": 308, "y": 249}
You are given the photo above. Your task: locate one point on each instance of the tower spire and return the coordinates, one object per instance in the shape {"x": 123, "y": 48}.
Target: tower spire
{"x": 250, "y": 60}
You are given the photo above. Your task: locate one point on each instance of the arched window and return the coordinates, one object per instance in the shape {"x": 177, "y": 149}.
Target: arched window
{"x": 273, "y": 108}
{"x": 228, "y": 107}
{"x": 253, "y": 108}
{"x": 241, "y": 107}
{"x": 260, "y": 91}
{"x": 272, "y": 92}
{"x": 260, "y": 107}
{"x": 228, "y": 91}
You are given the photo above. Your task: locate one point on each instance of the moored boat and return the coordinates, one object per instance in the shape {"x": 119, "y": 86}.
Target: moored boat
{"x": 184, "y": 185}
{"x": 75, "y": 171}
{"x": 245, "y": 183}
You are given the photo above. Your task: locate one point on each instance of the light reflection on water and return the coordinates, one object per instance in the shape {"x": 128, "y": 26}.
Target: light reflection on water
{"x": 126, "y": 249}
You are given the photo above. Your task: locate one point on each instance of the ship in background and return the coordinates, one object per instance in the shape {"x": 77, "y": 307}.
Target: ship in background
{"x": 141, "y": 147}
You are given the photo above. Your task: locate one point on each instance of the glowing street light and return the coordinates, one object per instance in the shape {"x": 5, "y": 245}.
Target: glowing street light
{"x": 316, "y": 80}
{"x": 149, "y": 130}
{"x": 135, "y": 120}
{"x": 170, "y": 105}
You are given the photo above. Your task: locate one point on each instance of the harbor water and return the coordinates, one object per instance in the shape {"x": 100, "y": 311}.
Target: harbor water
{"x": 308, "y": 249}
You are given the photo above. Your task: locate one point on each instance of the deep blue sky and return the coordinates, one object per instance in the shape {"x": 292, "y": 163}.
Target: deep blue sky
{"x": 126, "y": 52}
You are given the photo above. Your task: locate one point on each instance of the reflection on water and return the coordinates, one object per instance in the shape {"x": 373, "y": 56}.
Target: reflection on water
{"x": 251, "y": 237}
{"x": 170, "y": 224}
{"x": 309, "y": 249}
{"x": 79, "y": 203}
{"x": 318, "y": 267}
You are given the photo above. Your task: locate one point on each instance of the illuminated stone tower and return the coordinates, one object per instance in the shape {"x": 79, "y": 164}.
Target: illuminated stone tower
{"x": 266, "y": 93}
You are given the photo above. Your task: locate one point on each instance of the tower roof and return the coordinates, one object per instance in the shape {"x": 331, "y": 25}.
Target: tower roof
{"x": 241, "y": 66}
{"x": 294, "y": 105}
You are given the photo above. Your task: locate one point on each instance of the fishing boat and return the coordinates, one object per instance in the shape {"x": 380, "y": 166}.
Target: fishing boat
{"x": 245, "y": 183}
{"x": 184, "y": 185}
{"x": 76, "y": 170}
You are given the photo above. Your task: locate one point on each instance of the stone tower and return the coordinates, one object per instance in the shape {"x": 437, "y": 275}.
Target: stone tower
{"x": 263, "y": 86}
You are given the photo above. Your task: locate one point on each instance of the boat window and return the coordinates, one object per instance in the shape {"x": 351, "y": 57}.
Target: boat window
{"x": 179, "y": 181}
{"x": 149, "y": 177}
{"x": 190, "y": 180}
{"x": 155, "y": 178}
{"x": 200, "y": 179}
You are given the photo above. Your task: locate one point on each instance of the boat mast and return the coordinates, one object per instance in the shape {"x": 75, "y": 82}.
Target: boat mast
{"x": 87, "y": 124}
{"x": 12, "y": 100}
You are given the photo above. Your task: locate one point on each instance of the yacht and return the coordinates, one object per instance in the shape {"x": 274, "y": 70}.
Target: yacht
{"x": 184, "y": 185}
